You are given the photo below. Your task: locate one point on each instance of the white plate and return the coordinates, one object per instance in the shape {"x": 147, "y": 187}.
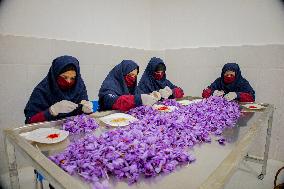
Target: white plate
{"x": 184, "y": 102}
{"x": 195, "y": 101}
{"x": 170, "y": 108}
{"x": 253, "y": 106}
{"x": 188, "y": 102}
{"x": 41, "y": 135}
{"x": 113, "y": 119}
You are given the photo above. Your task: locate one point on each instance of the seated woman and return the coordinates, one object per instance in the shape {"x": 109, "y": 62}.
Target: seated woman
{"x": 231, "y": 85}
{"x": 154, "y": 79}
{"x": 119, "y": 89}
{"x": 59, "y": 94}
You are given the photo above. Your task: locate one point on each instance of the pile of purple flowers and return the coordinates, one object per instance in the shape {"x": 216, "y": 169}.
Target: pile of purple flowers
{"x": 157, "y": 143}
{"x": 80, "y": 124}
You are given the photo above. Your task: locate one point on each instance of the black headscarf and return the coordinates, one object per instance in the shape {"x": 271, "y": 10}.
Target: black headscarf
{"x": 47, "y": 92}
{"x": 148, "y": 83}
{"x": 240, "y": 84}
{"x": 114, "y": 84}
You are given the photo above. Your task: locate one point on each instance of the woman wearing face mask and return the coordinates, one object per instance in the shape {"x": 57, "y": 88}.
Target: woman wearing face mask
{"x": 154, "y": 80}
{"x": 231, "y": 85}
{"x": 59, "y": 94}
{"x": 119, "y": 89}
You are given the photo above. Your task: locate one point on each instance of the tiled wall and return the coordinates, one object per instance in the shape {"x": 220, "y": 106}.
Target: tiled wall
{"x": 25, "y": 61}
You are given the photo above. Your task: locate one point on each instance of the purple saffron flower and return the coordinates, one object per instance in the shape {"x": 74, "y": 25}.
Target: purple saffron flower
{"x": 80, "y": 124}
{"x": 222, "y": 141}
{"x": 157, "y": 143}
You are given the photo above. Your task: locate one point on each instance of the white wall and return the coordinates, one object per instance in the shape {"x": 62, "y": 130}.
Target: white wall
{"x": 121, "y": 22}
{"x": 207, "y": 23}
{"x": 148, "y": 24}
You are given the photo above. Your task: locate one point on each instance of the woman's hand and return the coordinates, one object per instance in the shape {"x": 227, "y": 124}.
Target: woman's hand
{"x": 87, "y": 106}
{"x": 218, "y": 93}
{"x": 148, "y": 99}
{"x": 231, "y": 96}
{"x": 64, "y": 106}
{"x": 166, "y": 92}
{"x": 156, "y": 94}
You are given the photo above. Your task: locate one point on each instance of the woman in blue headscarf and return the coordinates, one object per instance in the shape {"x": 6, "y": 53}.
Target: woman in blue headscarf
{"x": 59, "y": 94}
{"x": 119, "y": 89}
{"x": 154, "y": 79}
{"x": 231, "y": 85}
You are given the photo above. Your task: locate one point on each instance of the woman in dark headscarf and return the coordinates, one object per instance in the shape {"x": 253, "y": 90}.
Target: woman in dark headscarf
{"x": 154, "y": 79}
{"x": 59, "y": 94}
{"x": 231, "y": 84}
{"x": 119, "y": 89}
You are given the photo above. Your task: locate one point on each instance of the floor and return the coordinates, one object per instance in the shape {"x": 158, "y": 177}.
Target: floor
{"x": 244, "y": 178}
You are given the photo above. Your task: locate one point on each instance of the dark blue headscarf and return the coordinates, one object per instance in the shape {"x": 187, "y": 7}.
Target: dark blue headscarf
{"x": 47, "y": 92}
{"x": 148, "y": 83}
{"x": 114, "y": 85}
{"x": 239, "y": 85}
